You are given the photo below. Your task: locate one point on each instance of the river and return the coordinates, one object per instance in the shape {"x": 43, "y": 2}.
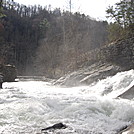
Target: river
{"x": 26, "y": 107}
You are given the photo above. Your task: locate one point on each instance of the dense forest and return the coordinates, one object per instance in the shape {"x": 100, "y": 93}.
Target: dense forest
{"x": 41, "y": 41}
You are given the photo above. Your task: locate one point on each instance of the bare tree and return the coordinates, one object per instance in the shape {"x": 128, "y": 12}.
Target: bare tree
{"x": 69, "y": 5}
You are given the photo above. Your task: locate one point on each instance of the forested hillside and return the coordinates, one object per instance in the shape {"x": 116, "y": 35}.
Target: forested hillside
{"x": 41, "y": 41}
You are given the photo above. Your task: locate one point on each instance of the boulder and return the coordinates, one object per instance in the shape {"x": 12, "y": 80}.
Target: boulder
{"x": 9, "y": 73}
{"x": 129, "y": 94}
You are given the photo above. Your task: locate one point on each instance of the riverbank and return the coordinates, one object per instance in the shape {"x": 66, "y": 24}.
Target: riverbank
{"x": 88, "y": 75}
{"x": 101, "y": 63}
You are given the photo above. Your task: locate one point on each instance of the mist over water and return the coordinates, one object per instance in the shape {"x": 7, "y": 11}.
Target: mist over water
{"x": 28, "y": 106}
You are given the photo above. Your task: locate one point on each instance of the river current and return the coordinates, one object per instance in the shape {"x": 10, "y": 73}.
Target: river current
{"x": 26, "y": 107}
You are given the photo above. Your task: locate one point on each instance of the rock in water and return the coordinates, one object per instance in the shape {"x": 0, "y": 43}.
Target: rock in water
{"x": 1, "y": 80}
{"x": 128, "y": 130}
{"x": 129, "y": 94}
{"x": 55, "y": 126}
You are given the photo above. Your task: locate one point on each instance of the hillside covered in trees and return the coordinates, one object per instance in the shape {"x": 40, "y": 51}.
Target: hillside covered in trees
{"x": 44, "y": 42}
{"x": 39, "y": 41}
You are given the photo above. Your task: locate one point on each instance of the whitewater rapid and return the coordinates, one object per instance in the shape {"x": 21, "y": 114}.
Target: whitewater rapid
{"x": 26, "y": 107}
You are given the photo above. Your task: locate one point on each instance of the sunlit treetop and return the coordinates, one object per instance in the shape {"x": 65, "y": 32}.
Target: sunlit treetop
{"x": 122, "y": 13}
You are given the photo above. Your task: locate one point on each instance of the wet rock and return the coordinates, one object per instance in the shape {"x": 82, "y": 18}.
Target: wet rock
{"x": 1, "y": 80}
{"x": 128, "y": 130}
{"x": 129, "y": 94}
{"x": 55, "y": 126}
{"x": 88, "y": 75}
{"x": 0, "y": 85}
{"x": 9, "y": 73}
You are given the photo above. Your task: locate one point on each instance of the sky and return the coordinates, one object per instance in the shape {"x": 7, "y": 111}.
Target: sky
{"x": 94, "y": 8}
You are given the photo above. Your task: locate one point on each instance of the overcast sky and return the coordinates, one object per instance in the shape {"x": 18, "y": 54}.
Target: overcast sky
{"x": 93, "y": 8}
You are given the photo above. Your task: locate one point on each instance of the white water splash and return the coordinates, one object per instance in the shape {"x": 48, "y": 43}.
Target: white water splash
{"x": 28, "y": 106}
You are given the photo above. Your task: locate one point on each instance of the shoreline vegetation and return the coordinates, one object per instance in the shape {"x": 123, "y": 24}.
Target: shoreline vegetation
{"x": 52, "y": 43}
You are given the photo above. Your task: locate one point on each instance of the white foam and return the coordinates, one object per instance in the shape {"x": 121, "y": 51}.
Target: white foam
{"x": 27, "y": 107}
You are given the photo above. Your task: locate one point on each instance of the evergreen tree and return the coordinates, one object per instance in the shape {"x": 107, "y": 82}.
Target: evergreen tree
{"x": 123, "y": 15}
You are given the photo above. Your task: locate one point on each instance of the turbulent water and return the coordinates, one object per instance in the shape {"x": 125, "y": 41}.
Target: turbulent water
{"x": 26, "y": 107}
